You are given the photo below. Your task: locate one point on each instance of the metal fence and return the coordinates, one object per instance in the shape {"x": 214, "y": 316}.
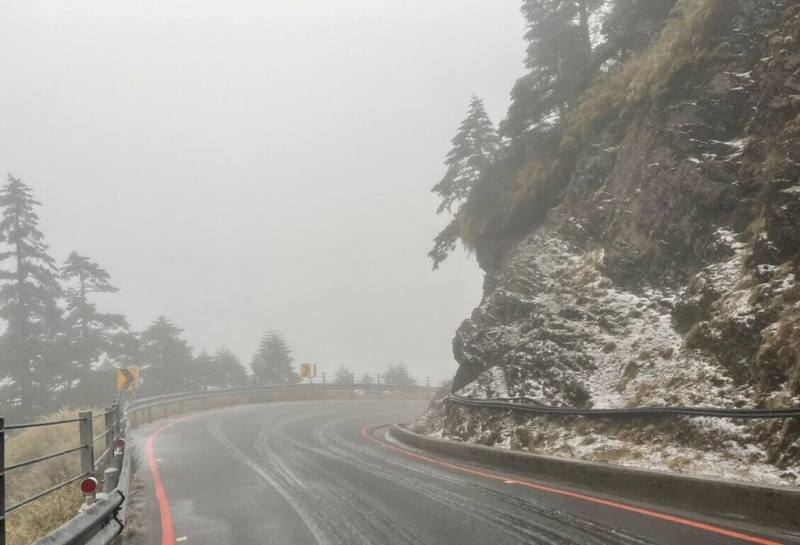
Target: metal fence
{"x": 528, "y": 406}
{"x": 86, "y": 439}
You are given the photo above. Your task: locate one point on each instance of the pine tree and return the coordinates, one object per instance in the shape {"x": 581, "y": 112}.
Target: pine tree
{"x": 166, "y": 355}
{"x": 632, "y": 25}
{"x": 29, "y": 291}
{"x": 229, "y": 367}
{"x": 398, "y": 375}
{"x": 474, "y": 146}
{"x": 91, "y": 335}
{"x": 205, "y": 371}
{"x": 343, "y": 376}
{"x": 558, "y": 58}
{"x": 444, "y": 243}
{"x": 272, "y": 364}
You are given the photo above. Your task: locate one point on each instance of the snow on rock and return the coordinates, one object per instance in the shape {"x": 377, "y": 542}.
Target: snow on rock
{"x": 556, "y": 330}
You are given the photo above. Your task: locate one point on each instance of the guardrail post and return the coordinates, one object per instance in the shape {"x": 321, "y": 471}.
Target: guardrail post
{"x": 110, "y": 479}
{"x": 2, "y": 481}
{"x": 87, "y": 438}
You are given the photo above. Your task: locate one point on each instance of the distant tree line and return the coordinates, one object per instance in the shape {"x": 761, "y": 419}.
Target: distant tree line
{"x": 57, "y": 349}
{"x": 395, "y": 375}
{"x": 491, "y": 173}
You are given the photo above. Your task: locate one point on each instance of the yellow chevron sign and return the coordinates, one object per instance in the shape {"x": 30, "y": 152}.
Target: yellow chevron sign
{"x": 308, "y": 370}
{"x": 127, "y": 379}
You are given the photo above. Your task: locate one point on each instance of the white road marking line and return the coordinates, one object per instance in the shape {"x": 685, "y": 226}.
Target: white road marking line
{"x": 316, "y": 531}
{"x": 510, "y": 482}
{"x": 182, "y": 538}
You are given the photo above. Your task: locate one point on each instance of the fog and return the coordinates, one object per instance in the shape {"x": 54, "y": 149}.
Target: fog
{"x": 245, "y": 165}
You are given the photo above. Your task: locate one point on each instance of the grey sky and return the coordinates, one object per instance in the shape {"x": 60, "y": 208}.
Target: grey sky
{"x": 241, "y": 165}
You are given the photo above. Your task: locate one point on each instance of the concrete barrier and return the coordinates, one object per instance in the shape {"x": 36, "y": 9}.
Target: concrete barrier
{"x": 770, "y": 506}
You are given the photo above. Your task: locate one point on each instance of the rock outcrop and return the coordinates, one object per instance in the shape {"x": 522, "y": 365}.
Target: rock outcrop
{"x": 663, "y": 272}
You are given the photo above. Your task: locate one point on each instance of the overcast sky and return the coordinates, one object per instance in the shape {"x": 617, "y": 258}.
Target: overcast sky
{"x": 241, "y": 165}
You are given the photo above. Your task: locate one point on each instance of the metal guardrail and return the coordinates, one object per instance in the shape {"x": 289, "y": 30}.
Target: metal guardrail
{"x": 101, "y": 517}
{"x": 86, "y": 441}
{"x": 525, "y": 405}
{"x": 148, "y": 404}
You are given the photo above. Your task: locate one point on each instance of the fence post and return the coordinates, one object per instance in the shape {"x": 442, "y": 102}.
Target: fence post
{"x": 87, "y": 453}
{"x": 118, "y": 419}
{"x": 2, "y": 481}
{"x": 110, "y": 431}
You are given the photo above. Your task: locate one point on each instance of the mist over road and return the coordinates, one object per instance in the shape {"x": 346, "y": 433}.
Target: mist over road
{"x": 314, "y": 473}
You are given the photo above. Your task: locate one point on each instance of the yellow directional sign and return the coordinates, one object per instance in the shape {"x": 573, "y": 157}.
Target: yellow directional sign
{"x": 308, "y": 370}
{"x": 127, "y": 379}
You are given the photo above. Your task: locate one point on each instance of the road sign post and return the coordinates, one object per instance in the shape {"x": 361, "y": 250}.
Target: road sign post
{"x": 308, "y": 370}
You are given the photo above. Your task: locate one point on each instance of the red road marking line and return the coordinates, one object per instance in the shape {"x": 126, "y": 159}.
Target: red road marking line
{"x": 167, "y": 532}
{"x": 366, "y": 431}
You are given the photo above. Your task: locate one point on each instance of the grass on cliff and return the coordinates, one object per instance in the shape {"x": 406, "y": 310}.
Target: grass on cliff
{"x": 646, "y": 74}
{"x": 526, "y": 193}
{"x": 37, "y": 519}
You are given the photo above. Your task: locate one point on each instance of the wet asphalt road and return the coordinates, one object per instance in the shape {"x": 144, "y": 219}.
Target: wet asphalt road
{"x": 304, "y": 473}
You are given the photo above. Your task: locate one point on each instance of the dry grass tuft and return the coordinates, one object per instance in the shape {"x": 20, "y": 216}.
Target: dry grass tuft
{"x": 646, "y": 74}
{"x": 37, "y": 519}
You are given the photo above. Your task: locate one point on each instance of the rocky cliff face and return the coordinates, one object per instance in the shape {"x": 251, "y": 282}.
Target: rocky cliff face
{"x": 664, "y": 273}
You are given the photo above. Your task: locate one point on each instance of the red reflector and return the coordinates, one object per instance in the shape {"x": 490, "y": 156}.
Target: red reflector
{"x": 119, "y": 443}
{"x": 89, "y": 485}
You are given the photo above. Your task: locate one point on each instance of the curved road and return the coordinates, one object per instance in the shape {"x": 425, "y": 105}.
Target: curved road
{"x": 301, "y": 473}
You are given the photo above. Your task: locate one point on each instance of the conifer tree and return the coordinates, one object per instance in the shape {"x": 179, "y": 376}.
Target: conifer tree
{"x": 343, "y": 376}
{"x": 474, "y": 146}
{"x": 632, "y": 25}
{"x": 166, "y": 355}
{"x": 90, "y": 334}
{"x": 398, "y": 375}
{"x": 272, "y": 364}
{"x": 444, "y": 243}
{"x": 558, "y": 58}
{"x": 29, "y": 291}
{"x": 229, "y": 367}
{"x": 205, "y": 371}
